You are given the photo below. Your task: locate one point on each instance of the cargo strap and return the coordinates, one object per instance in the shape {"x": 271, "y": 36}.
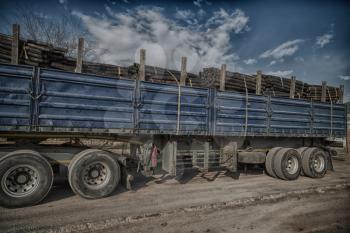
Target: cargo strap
{"x": 246, "y": 108}
{"x": 178, "y": 103}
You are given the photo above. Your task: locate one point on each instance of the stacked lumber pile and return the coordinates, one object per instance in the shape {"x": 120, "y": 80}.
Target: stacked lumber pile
{"x": 314, "y": 92}
{"x": 278, "y": 86}
{"x": 161, "y": 75}
{"x": 234, "y": 81}
{"x": 69, "y": 64}
{"x": 270, "y": 85}
{"x": 30, "y": 52}
{"x": 47, "y": 56}
{"x": 44, "y": 55}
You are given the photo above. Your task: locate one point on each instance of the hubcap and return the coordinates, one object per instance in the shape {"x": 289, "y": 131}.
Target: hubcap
{"x": 20, "y": 180}
{"x": 96, "y": 174}
{"x": 318, "y": 163}
{"x": 292, "y": 165}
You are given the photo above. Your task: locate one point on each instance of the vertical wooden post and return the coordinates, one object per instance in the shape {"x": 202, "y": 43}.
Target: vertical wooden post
{"x": 183, "y": 71}
{"x": 15, "y": 44}
{"x": 222, "y": 77}
{"x": 324, "y": 91}
{"x": 80, "y": 55}
{"x": 258, "y": 82}
{"x": 341, "y": 95}
{"x": 292, "y": 87}
{"x": 142, "y": 64}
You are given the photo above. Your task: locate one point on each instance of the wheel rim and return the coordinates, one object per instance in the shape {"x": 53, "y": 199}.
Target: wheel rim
{"x": 318, "y": 163}
{"x": 292, "y": 165}
{"x": 96, "y": 174}
{"x": 20, "y": 180}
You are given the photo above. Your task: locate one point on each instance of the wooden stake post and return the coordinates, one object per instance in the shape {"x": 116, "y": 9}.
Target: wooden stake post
{"x": 258, "y": 82}
{"x": 222, "y": 77}
{"x": 292, "y": 87}
{"x": 142, "y": 64}
{"x": 183, "y": 71}
{"x": 79, "y": 64}
{"x": 15, "y": 44}
{"x": 341, "y": 95}
{"x": 324, "y": 91}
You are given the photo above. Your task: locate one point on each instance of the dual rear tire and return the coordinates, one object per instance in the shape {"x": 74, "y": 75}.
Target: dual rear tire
{"x": 283, "y": 163}
{"x": 288, "y": 163}
{"x": 26, "y": 177}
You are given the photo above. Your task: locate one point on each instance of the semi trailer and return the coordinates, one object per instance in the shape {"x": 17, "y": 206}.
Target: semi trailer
{"x": 191, "y": 127}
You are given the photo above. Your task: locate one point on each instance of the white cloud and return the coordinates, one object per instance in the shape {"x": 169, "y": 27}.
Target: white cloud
{"x": 184, "y": 14}
{"x": 344, "y": 77}
{"x": 125, "y": 1}
{"x": 272, "y": 62}
{"x": 280, "y": 73}
{"x": 198, "y": 3}
{"x": 299, "y": 59}
{"x": 286, "y": 49}
{"x": 321, "y": 41}
{"x": 119, "y": 38}
{"x": 250, "y": 61}
{"x": 201, "y": 13}
{"x": 62, "y": 1}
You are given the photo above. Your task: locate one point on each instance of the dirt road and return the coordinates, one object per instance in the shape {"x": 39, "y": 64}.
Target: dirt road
{"x": 208, "y": 203}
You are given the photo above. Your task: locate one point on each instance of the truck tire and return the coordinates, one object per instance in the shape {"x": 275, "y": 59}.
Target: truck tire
{"x": 287, "y": 164}
{"x": 26, "y": 178}
{"x": 93, "y": 174}
{"x": 269, "y": 161}
{"x": 301, "y": 151}
{"x": 314, "y": 162}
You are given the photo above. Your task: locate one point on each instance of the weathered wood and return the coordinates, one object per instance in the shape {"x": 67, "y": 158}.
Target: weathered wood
{"x": 341, "y": 94}
{"x": 79, "y": 64}
{"x": 183, "y": 71}
{"x": 142, "y": 64}
{"x": 258, "y": 82}
{"x": 324, "y": 91}
{"x": 292, "y": 87}
{"x": 222, "y": 77}
{"x": 15, "y": 44}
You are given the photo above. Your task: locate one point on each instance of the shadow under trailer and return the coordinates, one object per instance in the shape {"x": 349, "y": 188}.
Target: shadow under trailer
{"x": 191, "y": 127}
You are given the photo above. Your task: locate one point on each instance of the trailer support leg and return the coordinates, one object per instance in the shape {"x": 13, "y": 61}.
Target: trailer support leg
{"x": 206, "y": 156}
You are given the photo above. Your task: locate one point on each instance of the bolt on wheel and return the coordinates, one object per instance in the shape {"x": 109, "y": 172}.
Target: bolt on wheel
{"x": 96, "y": 173}
{"x": 20, "y": 180}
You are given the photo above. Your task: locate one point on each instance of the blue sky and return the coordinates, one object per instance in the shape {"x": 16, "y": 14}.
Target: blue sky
{"x": 308, "y": 39}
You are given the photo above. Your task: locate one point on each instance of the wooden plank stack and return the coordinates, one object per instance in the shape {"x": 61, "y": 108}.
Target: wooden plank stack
{"x": 270, "y": 85}
{"x": 47, "y": 56}
{"x": 161, "y": 75}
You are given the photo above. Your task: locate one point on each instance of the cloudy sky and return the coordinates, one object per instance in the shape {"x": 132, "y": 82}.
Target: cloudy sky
{"x": 308, "y": 39}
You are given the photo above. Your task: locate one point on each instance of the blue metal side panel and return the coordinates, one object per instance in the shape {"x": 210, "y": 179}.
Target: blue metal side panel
{"x": 329, "y": 120}
{"x": 84, "y": 103}
{"x": 233, "y": 112}
{"x": 15, "y": 97}
{"x": 290, "y": 117}
{"x": 158, "y": 109}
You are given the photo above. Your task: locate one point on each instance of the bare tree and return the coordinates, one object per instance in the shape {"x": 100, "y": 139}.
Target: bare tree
{"x": 62, "y": 31}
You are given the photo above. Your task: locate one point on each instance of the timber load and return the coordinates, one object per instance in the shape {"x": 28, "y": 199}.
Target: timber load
{"x": 44, "y": 55}
{"x": 270, "y": 85}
